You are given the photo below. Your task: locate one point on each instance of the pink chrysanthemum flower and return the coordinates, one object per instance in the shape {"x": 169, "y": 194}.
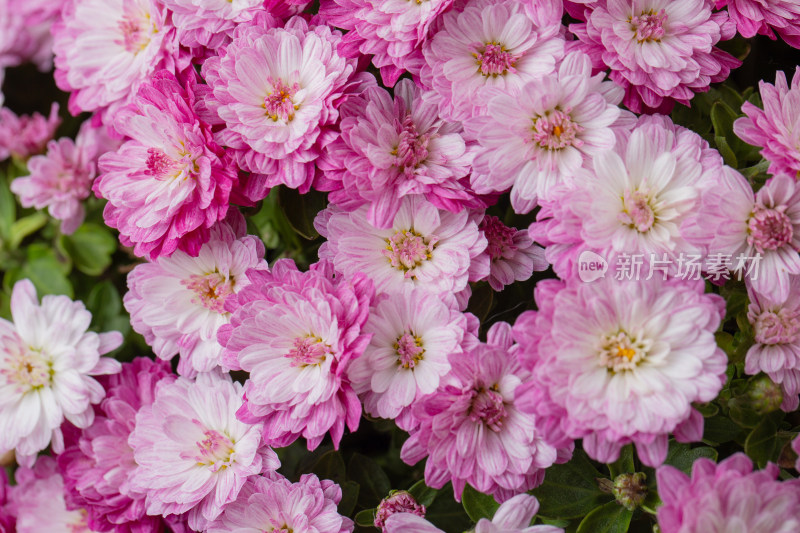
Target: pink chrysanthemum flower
{"x": 644, "y": 353}
{"x": 776, "y": 351}
{"x": 511, "y": 253}
{"x": 98, "y": 467}
{"x": 535, "y": 139}
{"x": 24, "y": 136}
{"x": 193, "y": 455}
{"x": 191, "y": 292}
{"x": 38, "y": 501}
{"x": 397, "y": 502}
{"x": 277, "y": 89}
{"x": 297, "y": 333}
{"x": 487, "y": 46}
{"x": 659, "y": 51}
{"x": 393, "y": 148}
{"x": 279, "y": 505}
{"x": 775, "y": 128}
{"x": 412, "y": 336}
{"x": 62, "y": 179}
{"x": 513, "y": 516}
{"x": 727, "y": 497}
{"x": 25, "y": 33}
{"x": 169, "y": 184}
{"x": 392, "y": 31}
{"x": 105, "y": 49}
{"x": 765, "y": 17}
{"x": 425, "y": 247}
{"x": 740, "y": 225}
{"x": 47, "y": 356}
{"x": 8, "y": 518}
{"x": 638, "y": 199}
{"x": 471, "y": 430}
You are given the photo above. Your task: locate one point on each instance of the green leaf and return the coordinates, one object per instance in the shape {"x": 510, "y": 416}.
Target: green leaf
{"x": 326, "y": 465}
{"x": 762, "y": 443}
{"x": 105, "y": 305}
{"x": 350, "y": 491}
{"x": 623, "y": 465}
{"x": 90, "y": 248}
{"x": 24, "y": 227}
{"x": 423, "y": 493}
{"x": 365, "y": 518}
{"x": 570, "y": 490}
{"x": 722, "y": 118}
{"x": 44, "y": 269}
{"x": 8, "y": 209}
{"x": 301, "y": 209}
{"x": 608, "y": 518}
{"x": 374, "y": 482}
{"x": 682, "y": 456}
{"x": 481, "y": 300}
{"x": 728, "y": 155}
{"x": 478, "y": 505}
{"x": 448, "y": 514}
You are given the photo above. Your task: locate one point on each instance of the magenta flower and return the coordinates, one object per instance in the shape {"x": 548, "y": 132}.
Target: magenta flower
{"x": 278, "y": 89}
{"x": 97, "y": 468}
{"x": 397, "y": 502}
{"x": 297, "y": 333}
{"x": 62, "y": 179}
{"x": 191, "y": 292}
{"x": 390, "y": 149}
{"x": 193, "y": 455}
{"x": 535, "y": 139}
{"x": 511, "y": 253}
{"x": 266, "y": 504}
{"x": 765, "y": 17}
{"x": 728, "y": 497}
{"x": 471, "y": 430}
{"x": 8, "y": 518}
{"x": 413, "y": 334}
{"x": 105, "y": 49}
{"x": 24, "y": 136}
{"x": 774, "y": 128}
{"x": 47, "y": 358}
{"x": 169, "y": 184}
{"x": 487, "y": 46}
{"x": 659, "y": 51}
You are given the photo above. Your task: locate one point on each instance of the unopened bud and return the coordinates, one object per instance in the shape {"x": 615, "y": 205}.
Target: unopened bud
{"x": 630, "y": 490}
{"x": 764, "y": 395}
{"x": 399, "y": 501}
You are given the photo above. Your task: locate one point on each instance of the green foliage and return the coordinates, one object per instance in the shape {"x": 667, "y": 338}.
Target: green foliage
{"x": 478, "y": 505}
{"x": 570, "y": 490}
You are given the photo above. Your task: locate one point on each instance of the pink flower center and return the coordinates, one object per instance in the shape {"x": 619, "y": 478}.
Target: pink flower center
{"x": 276, "y": 528}
{"x": 412, "y": 148}
{"x": 494, "y": 60}
{"x": 24, "y": 367}
{"x": 781, "y": 327}
{"x": 308, "y": 350}
{"x": 158, "y": 163}
{"x": 768, "y": 228}
{"x": 279, "y": 104}
{"x": 81, "y": 524}
{"x": 135, "y": 37}
{"x": 409, "y": 350}
{"x": 407, "y": 249}
{"x": 556, "y": 130}
{"x": 500, "y": 237}
{"x": 619, "y": 351}
{"x": 649, "y": 26}
{"x": 636, "y": 211}
{"x": 399, "y": 502}
{"x": 488, "y": 407}
{"x": 210, "y": 290}
{"x": 214, "y": 451}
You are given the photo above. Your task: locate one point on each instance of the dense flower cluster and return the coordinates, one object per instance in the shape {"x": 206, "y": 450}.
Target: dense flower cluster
{"x": 462, "y": 148}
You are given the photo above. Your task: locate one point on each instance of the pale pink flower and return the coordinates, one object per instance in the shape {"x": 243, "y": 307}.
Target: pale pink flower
{"x": 776, "y": 352}
{"x": 659, "y": 51}
{"x": 297, "y": 333}
{"x": 170, "y": 183}
{"x": 512, "y": 254}
{"x": 98, "y": 466}
{"x": 397, "y": 502}
{"x": 644, "y": 352}
{"x": 25, "y": 33}
{"x": 765, "y": 17}
{"x": 425, "y": 247}
{"x": 47, "y": 358}
{"x": 193, "y": 455}
{"x": 266, "y": 504}
{"x": 535, "y": 139}
{"x": 775, "y": 128}
{"x": 486, "y": 46}
{"x": 277, "y": 90}
{"x": 727, "y": 497}
{"x": 389, "y": 149}
{"x": 62, "y": 179}
{"x": 413, "y": 334}
{"x": 24, "y": 136}
{"x": 471, "y": 430}
{"x": 191, "y": 294}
